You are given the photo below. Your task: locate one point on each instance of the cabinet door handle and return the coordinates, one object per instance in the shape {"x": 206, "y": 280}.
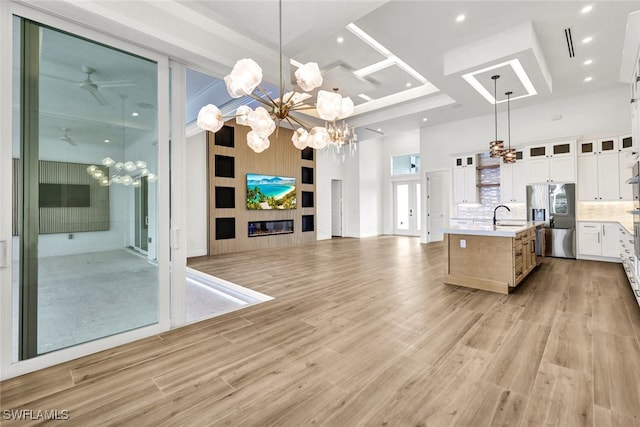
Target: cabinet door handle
{"x": 533, "y": 246}
{"x": 598, "y": 237}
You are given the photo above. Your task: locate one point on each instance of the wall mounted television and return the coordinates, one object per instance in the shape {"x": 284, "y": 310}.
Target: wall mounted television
{"x": 65, "y": 196}
{"x": 270, "y": 192}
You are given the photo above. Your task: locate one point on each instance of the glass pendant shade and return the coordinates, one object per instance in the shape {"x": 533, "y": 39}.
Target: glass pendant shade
{"x": 261, "y": 122}
{"x": 509, "y": 155}
{"x": 346, "y": 109}
{"x": 299, "y": 139}
{"x": 257, "y": 142}
{"x": 210, "y": 118}
{"x": 245, "y": 76}
{"x": 318, "y": 138}
{"x": 496, "y": 148}
{"x": 308, "y": 76}
{"x": 329, "y": 105}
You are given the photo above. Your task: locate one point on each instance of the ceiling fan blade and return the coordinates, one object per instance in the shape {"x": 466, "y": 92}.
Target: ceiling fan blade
{"x": 71, "y": 142}
{"x": 117, "y": 83}
{"x": 91, "y": 87}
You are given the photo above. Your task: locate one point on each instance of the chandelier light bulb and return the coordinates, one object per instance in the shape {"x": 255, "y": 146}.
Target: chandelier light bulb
{"x": 261, "y": 122}
{"x": 210, "y": 118}
{"x": 257, "y": 142}
{"x": 346, "y": 108}
{"x": 245, "y": 76}
{"x": 308, "y": 76}
{"x": 108, "y": 162}
{"x": 299, "y": 138}
{"x": 318, "y": 138}
{"x": 329, "y": 105}
{"x": 141, "y": 164}
{"x": 242, "y": 115}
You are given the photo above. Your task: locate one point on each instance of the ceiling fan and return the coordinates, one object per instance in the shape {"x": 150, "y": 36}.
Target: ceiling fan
{"x": 66, "y": 138}
{"x": 93, "y": 87}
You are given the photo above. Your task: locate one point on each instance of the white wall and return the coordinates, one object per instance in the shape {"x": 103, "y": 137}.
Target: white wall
{"x": 196, "y": 197}
{"x": 328, "y": 168}
{"x": 371, "y": 188}
{"x": 606, "y": 111}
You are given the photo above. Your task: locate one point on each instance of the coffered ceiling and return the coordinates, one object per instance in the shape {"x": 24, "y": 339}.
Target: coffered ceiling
{"x": 408, "y": 64}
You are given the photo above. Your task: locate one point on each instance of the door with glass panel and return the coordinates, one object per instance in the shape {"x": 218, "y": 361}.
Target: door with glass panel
{"x": 85, "y": 163}
{"x": 407, "y": 215}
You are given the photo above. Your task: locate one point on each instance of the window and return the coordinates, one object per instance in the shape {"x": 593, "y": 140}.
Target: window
{"x": 405, "y": 165}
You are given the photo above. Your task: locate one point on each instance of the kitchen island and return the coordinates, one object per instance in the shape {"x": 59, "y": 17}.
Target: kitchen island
{"x": 490, "y": 257}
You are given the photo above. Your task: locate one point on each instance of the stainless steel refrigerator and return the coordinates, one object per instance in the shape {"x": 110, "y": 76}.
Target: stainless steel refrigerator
{"x": 555, "y": 204}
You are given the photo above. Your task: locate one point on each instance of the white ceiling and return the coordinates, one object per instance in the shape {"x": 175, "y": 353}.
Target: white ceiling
{"x": 425, "y": 36}
{"x": 422, "y": 38}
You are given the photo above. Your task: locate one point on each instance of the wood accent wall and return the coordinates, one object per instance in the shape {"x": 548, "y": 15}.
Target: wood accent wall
{"x": 281, "y": 159}
{"x": 66, "y": 219}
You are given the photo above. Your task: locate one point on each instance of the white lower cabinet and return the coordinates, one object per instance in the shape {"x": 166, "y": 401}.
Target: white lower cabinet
{"x": 598, "y": 239}
{"x": 629, "y": 261}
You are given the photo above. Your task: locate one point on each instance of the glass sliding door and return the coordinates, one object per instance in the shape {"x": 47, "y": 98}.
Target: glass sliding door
{"x": 85, "y": 176}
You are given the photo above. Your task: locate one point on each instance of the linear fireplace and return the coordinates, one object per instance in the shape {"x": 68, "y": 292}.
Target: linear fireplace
{"x": 269, "y": 228}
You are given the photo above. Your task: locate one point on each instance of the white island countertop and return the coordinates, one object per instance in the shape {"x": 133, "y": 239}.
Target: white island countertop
{"x": 502, "y": 229}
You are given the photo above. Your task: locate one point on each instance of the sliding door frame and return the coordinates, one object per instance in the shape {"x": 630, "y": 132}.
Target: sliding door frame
{"x": 8, "y": 367}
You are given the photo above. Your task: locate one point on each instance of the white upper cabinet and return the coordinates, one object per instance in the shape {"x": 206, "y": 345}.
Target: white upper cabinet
{"x": 551, "y": 162}
{"x": 603, "y": 169}
{"x": 513, "y": 180}
{"x": 464, "y": 179}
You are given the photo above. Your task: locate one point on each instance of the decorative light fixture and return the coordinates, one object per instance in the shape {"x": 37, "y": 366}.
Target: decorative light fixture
{"x": 128, "y": 173}
{"x": 509, "y": 155}
{"x": 341, "y": 135}
{"x": 245, "y": 79}
{"x": 495, "y": 147}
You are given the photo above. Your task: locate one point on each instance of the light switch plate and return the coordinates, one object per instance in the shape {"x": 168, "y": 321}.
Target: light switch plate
{"x": 463, "y": 243}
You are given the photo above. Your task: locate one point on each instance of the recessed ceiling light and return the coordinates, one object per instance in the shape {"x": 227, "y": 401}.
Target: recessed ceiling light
{"x": 586, "y": 9}
{"x": 588, "y": 79}
{"x": 340, "y": 39}
{"x": 588, "y": 62}
{"x": 379, "y": 130}
{"x": 408, "y": 84}
{"x": 424, "y": 119}
{"x": 106, "y": 141}
{"x": 135, "y": 114}
{"x": 460, "y": 18}
{"x": 587, "y": 39}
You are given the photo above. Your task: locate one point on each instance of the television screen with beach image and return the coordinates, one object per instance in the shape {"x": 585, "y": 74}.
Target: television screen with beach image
{"x": 270, "y": 192}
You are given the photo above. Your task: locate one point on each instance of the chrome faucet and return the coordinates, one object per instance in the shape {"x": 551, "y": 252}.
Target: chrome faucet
{"x": 494, "y": 212}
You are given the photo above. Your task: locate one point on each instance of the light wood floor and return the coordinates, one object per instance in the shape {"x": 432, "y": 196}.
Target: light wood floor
{"x": 363, "y": 332}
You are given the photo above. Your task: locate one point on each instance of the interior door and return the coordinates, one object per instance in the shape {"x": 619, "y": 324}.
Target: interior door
{"x": 406, "y": 208}
{"x": 436, "y": 206}
{"x": 336, "y": 208}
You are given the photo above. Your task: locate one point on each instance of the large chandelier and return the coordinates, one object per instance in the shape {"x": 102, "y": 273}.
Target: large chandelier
{"x": 245, "y": 79}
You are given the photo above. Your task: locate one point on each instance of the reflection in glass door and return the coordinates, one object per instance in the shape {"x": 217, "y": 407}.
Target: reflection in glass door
{"x": 85, "y": 159}
{"x": 407, "y": 209}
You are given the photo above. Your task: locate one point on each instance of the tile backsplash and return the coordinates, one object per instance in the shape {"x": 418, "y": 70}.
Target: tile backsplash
{"x": 607, "y": 211}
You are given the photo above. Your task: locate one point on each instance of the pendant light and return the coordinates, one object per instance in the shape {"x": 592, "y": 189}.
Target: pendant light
{"x": 509, "y": 155}
{"x": 495, "y": 147}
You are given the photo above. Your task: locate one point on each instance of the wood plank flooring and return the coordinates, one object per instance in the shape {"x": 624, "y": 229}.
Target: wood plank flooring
{"x": 362, "y": 332}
